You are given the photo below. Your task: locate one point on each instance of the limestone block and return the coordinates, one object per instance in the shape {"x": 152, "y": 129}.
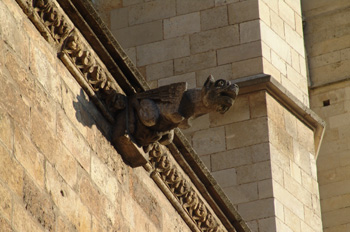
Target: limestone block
{"x": 151, "y": 11}
{"x": 12, "y": 172}
{"x": 277, "y": 173}
{"x": 104, "y": 179}
{"x": 243, "y": 11}
{"x": 214, "y": 39}
{"x": 295, "y": 5}
{"x": 195, "y": 62}
{"x": 214, "y": 18}
{"x": 6, "y": 130}
{"x": 265, "y": 188}
{"x": 272, "y": 4}
{"x": 337, "y": 202}
{"x": 264, "y": 13}
{"x": 225, "y": 177}
{"x": 275, "y": 42}
{"x": 242, "y": 193}
{"x": 257, "y": 209}
{"x": 238, "y": 112}
{"x": 132, "y": 2}
{"x": 295, "y": 40}
{"x": 288, "y": 200}
{"x": 254, "y": 172}
{"x": 199, "y": 123}
{"x": 39, "y": 205}
{"x": 29, "y": 157}
{"x": 45, "y": 70}
{"x": 140, "y": 34}
{"x": 219, "y": 72}
{"x": 286, "y": 13}
{"x": 224, "y": 2}
{"x": 159, "y": 70}
{"x": 73, "y": 140}
{"x": 296, "y": 59}
{"x": 298, "y": 191}
{"x": 299, "y": 25}
{"x": 45, "y": 105}
{"x": 291, "y": 220}
{"x": 67, "y": 201}
{"x": 163, "y": 50}
{"x": 246, "y": 133}
{"x": 182, "y": 25}
{"x": 131, "y": 52}
{"x": 209, "y": 141}
{"x": 5, "y": 202}
{"x": 249, "y": 31}
{"x": 239, "y": 52}
{"x": 277, "y": 24}
{"x": 295, "y": 172}
{"x": 190, "y": 78}
{"x": 337, "y": 217}
{"x": 5, "y": 225}
{"x": 184, "y": 6}
{"x": 281, "y": 226}
{"x": 91, "y": 197}
{"x": 240, "y": 157}
{"x": 267, "y": 224}
{"x": 312, "y": 219}
{"x": 257, "y": 104}
{"x": 278, "y": 63}
{"x": 19, "y": 73}
{"x": 119, "y": 18}
{"x": 325, "y": 59}
{"x": 247, "y": 68}
{"x": 22, "y": 221}
{"x": 271, "y": 70}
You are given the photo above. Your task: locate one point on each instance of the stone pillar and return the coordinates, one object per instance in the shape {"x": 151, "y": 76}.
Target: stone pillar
{"x": 263, "y": 151}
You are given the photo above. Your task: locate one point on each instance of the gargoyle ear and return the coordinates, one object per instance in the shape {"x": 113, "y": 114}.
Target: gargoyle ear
{"x": 209, "y": 82}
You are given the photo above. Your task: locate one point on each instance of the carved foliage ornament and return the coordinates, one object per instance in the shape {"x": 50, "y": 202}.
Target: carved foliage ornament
{"x": 182, "y": 191}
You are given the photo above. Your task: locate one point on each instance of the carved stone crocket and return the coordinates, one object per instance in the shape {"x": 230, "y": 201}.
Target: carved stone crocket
{"x": 152, "y": 115}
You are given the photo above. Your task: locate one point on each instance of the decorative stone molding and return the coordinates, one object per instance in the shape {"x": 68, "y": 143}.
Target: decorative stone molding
{"x": 201, "y": 213}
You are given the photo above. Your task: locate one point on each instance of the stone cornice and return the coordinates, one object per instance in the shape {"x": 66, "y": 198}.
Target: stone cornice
{"x": 286, "y": 99}
{"x": 102, "y": 69}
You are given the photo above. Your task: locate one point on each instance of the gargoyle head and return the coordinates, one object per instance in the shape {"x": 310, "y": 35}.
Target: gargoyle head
{"x": 219, "y": 95}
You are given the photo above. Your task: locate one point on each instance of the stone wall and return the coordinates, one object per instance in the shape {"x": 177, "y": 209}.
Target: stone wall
{"x": 327, "y": 39}
{"x": 58, "y": 170}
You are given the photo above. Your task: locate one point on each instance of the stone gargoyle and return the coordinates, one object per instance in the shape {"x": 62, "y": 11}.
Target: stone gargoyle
{"x": 149, "y": 117}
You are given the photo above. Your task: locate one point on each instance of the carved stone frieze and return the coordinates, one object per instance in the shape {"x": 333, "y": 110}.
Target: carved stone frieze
{"x": 181, "y": 190}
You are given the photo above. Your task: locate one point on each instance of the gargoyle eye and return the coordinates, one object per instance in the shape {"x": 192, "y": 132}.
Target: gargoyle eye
{"x": 220, "y": 83}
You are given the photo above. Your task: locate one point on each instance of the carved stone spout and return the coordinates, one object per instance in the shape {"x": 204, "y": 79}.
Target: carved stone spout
{"x": 151, "y": 116}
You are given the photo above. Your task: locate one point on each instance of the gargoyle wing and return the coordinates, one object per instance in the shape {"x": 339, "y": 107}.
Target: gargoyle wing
{"x": 168, "y": 94}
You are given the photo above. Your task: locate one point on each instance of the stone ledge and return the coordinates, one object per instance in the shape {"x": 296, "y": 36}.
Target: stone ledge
{"x": 283, "y": 96}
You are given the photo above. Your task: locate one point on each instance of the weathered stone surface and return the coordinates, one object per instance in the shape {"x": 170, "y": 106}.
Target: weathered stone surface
{"x": 243, "y": 11}
{"x": 5, "y": 225}
{"x": 184, "y": 6}
{"x": 5, "y": 203}
{"x": 256, "y": 132}
{"x": 159, "y": 70}
{"x": 29, "y": 157}
{"x": 249, "y": 31}
{"x": 151, "y": 11}
{"x": 247, "y": 68}
{"x": 257, "y": 209}
{"x": 11, "y": 173}
{"x": 166, "y": 50}
{"x": 222, "y": 72}
{"x": 195, "y": 62}
{"x": 139, "y": 34}
{"x": 214, "y": 18}
{"x": 22, "y": 221}
{"x": 190, "y": 78}
{"x": 119, "y": 18}
{"x": 226, "y": 178}
{"x": 73, "y": 141}
{"x": 6, "y": 130}
{"x": 209, "y": 141}
{"x": 214, "y": 39}
{"x": 67, "y": 200}
{"x": 239, "y": 53}
{"x": 255, "y": 172}
{"x": 182, "y": 25}
{"x": 39, "y": 205}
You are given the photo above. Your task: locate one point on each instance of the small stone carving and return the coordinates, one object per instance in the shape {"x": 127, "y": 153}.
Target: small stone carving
{"x": 151, "y": 116}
